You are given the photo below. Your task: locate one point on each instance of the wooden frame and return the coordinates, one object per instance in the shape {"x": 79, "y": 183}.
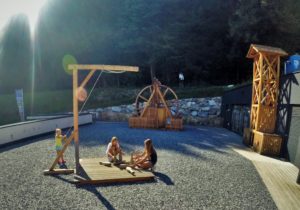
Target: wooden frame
{"x": 265, "y": 91}
{"x": 156, "y": 113}
{"x": 75, "y": 135}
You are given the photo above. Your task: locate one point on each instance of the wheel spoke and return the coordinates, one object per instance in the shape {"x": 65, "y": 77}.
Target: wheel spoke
{"x": 142, "y": 97}
{"x": 165, "y": 92}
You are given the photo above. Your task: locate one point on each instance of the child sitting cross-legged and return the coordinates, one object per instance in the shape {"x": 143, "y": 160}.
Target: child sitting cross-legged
{"x": 146, "y": 159}
{"x": 113, "y": 151}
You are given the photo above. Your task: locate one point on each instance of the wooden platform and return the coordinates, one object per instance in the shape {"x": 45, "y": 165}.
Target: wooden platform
{"x": 278, "y": 176}
{"x": 97, "y": 174}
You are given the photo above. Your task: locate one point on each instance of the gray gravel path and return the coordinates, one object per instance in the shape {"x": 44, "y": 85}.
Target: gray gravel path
{"x": 196, "y": 169}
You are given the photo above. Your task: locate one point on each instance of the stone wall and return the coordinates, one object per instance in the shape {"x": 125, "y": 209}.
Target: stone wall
{"x": 195, "y": 111}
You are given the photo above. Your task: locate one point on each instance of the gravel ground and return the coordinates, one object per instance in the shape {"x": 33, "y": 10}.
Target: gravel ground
{"x": 196, "y": 169}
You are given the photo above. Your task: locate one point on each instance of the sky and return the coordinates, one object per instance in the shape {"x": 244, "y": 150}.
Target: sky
{"x": 30, "y": 8}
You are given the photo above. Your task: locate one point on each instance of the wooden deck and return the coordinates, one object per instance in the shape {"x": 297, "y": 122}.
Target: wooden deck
{"x": 97, "y": 174}
{"x": 279, "y": 178}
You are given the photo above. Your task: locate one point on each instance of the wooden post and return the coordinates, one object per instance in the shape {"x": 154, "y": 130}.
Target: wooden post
{"x": 75, "y": 114}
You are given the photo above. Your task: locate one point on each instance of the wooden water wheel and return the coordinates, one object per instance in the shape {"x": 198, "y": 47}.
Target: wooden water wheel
{"x": 144, "y": 96}
{"x": 156, "y": 106}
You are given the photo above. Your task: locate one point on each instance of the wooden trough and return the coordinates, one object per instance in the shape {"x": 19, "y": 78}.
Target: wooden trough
{"x": 153, "y": 108}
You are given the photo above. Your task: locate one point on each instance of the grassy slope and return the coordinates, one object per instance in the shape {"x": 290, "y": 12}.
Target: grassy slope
{"x": 61, "y": 100}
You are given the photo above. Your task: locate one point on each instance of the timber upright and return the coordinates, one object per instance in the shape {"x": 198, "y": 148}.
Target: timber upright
{"x": 265, "y": 89}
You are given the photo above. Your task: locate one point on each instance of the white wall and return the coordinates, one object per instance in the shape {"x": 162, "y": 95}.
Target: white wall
{"x": 18, "y": 131}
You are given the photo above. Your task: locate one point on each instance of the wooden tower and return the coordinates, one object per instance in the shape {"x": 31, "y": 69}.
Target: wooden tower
{"x": 153, "y": 108}
{"x": 265, "y": 89}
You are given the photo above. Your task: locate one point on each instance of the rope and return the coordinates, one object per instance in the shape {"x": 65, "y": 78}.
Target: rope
{"x": 114, "y": 72}
{"x": 90, "y": 92}
{"x": 83, "y": 105}
{"x": 85, "y": 101}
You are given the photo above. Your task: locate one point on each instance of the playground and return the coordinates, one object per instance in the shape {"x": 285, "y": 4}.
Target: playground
{"x": 197, "y": 168}
{"x": 131, "y": 105}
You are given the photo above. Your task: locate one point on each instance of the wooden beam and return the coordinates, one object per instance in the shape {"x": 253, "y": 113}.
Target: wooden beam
{"x": 142, "y": 97}
{"x": 62, "y": 151}
{"x": 75, "y": 116}
{"x": 260, "y": 85}
{"x": 58, "y": 171}
{"x": 113, "y": 181}
{"x": 87, "y": 78}
{"x": 103, "y": 67}
{"x": 164, "y": 102}
{"x": 148, "y": 103}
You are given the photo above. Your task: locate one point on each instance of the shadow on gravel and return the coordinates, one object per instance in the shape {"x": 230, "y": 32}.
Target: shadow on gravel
{"x": 90, "y": 188}
{"x": 102, "y": 199}
{"x": 93, "y": 189}
{"x": 192, "y": 141}
{"x": 164, "y": 178}
{"x": 62, "y": 178}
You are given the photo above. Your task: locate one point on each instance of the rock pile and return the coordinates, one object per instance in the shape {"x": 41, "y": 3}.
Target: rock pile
{"x": 195, "y": 111}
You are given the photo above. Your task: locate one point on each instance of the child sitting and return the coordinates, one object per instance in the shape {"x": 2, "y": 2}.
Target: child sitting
{"x": 146, "y": 159}
{"x": 58, "y": 144}
{"x": 113, "y": 150}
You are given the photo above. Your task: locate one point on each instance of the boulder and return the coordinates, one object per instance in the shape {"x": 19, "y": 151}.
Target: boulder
{"x": 212, "y": 103}
{"x": 213, "y": 111}
{"x": 116, "y": 109}
{"x": 203, "y": 114}
{"x": 205, "y": 109}
{"x": 194, "y": 113}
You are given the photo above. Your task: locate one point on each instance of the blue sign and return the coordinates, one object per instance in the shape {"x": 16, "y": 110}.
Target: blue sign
{"x": 20, "y": 103}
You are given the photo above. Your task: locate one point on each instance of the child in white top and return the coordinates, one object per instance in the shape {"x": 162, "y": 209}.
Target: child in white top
{"x": 113, "y": 150}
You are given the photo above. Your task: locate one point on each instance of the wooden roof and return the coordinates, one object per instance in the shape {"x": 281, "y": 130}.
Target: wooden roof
{"x": 255, "y": 49}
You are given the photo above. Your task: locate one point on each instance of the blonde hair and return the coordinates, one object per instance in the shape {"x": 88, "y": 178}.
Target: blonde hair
{"x": 57, "y": 130}
{"x": 114, "y": 138}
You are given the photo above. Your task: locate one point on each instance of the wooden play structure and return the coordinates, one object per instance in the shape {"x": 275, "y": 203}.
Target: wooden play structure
{"x": 265, "y": 89}
{"x": 153, "y": 108}
{"x": 95, "y": 173}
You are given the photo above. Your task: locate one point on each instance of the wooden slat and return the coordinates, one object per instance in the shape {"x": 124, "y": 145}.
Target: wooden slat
{"x": 103, "y": 67}
{"x": 58, "y": 171}
{"x": 279, "y": 178}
